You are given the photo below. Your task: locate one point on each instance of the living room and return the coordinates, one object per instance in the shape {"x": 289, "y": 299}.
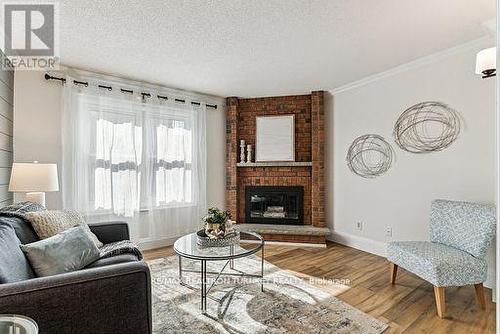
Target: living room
{"x": 257, "y": 166}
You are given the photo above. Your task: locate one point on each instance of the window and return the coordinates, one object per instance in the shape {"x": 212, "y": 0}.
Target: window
{"x": 117, "y": 165}
{"x": 125, "y": 155}
{"x": 140, "y": 160}
{"x": 173, "y": 163}
{"x": 121, "y": 163}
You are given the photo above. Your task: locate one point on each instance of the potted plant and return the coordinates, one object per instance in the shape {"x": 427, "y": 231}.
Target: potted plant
{"x": 215, "y": 223}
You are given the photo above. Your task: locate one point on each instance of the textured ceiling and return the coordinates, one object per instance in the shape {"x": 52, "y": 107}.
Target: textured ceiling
{"x": 261, "y": 47}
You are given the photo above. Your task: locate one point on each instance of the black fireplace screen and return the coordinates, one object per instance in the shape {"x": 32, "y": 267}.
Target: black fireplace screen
{"x": 274, "y": 205}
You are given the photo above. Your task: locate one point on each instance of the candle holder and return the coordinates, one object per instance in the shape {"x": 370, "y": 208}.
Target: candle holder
{"x": 242, "y": 151}
{"x": 249, "y": 153}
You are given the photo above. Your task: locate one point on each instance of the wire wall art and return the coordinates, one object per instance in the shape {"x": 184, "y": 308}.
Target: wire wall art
{"x": 370, "y": 156}
{"x": 427, "y": 127}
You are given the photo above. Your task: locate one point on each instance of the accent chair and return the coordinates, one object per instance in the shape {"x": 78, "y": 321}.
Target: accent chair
{"x": 460, "y": 234}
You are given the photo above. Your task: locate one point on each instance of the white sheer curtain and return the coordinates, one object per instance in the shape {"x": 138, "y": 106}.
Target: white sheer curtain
{"x": 142, "y": 160}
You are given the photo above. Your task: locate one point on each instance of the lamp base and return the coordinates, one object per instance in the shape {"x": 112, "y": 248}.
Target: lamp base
{"x": 36, "y": 197}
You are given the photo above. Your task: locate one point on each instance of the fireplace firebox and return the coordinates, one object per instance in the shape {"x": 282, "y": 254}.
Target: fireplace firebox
{"x": 274, "y": 205}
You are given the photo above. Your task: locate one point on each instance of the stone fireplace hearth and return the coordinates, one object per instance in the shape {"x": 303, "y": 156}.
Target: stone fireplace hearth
{"x": 306, "y": 172}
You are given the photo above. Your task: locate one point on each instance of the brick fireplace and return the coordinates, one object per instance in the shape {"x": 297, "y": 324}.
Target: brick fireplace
{"x": 307, "y": 171}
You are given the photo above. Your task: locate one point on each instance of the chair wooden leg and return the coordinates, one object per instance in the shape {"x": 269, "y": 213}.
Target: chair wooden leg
{"x": 480, "y": 295}
{"x": 394, "y": 272}
{"x": 440, "y": 301}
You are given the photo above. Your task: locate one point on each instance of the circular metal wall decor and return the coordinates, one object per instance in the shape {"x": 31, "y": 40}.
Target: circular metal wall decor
{"x": 427, "y": 127}
{"x": 369, "y": 156}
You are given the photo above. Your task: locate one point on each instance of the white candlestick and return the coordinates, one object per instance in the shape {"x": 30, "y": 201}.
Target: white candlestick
{"x": 242, "y": 151}
{"x": 249, "y": 153}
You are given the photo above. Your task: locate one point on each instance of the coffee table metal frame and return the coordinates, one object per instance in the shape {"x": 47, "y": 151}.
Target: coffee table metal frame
{"x": 229, "y": 260}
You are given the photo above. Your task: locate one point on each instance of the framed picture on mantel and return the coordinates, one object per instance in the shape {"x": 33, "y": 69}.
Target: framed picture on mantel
{"x": 275, "y": 138}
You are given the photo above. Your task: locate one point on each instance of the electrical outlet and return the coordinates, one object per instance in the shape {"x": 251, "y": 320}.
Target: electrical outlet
{"x": 359, "y": 225}
{"x": 388, "y": 232}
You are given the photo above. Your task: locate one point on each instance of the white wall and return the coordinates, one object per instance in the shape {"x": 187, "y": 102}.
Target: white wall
{"x": 37, "y": 134}
{"x": 400, "y": 199}
{"x": 216, "y": 157}
{"x": 37, "y": 123}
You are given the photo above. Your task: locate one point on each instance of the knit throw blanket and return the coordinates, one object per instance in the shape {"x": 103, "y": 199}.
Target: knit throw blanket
{"x": 19, "y": 210}
{"x": 118, "y": 248}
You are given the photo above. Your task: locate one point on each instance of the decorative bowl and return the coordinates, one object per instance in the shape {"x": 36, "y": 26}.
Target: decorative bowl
{"x": 205, "y": 241}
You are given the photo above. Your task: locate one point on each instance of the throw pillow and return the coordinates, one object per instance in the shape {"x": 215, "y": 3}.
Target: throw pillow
{"x": 13, "y": 264}
{"x": 14, "y": 215}
{"x": 50, "y": 222}
{"x": 64, "y": 252}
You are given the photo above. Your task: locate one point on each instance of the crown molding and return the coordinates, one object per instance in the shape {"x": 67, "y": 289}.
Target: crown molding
{"x": 426, "y": 60}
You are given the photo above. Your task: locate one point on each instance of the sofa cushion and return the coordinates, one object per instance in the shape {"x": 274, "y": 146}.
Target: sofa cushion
{"x": 121, "y": 258}
{"x": 67, "y": 251}
{"x": 51, "y": 222}
{"x": 438, "y": 264}
{"x": 13, "y": 264}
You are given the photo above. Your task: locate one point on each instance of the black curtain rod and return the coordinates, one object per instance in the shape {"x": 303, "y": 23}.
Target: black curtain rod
{"x": 76, "y": 82}
{"x": 161, "y": 97}
{"x": 106, "y": 87}
{"x": 49, "y": 77}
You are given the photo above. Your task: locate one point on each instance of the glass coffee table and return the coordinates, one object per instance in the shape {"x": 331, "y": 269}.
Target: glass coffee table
{"x": 17, "y": 324}
{"x": 186, "y": 247}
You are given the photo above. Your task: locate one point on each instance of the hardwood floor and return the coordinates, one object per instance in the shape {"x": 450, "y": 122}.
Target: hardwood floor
{"x": 408, "y": 306}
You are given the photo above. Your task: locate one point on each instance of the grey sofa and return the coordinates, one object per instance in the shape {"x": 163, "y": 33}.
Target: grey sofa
{"x": 111, "y": 295}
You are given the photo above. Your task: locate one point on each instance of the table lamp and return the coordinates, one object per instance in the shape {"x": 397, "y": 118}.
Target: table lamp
{"x": 34, "y": 179}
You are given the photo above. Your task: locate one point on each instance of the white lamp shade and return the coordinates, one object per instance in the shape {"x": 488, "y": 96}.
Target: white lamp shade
{"x": 486, "y": 60}
{"x": 28, "y": 177}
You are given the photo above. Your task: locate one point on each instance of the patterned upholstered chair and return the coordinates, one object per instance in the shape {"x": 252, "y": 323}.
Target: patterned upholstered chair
{"x": 460, "y": 233}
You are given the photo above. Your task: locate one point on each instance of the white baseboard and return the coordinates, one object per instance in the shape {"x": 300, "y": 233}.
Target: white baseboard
{"x": 354, "y": 241}
{"x": 490, "y": 282}
{"x": 146, "y": 244}
{"x": 379, "y": 248}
